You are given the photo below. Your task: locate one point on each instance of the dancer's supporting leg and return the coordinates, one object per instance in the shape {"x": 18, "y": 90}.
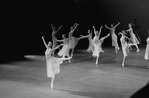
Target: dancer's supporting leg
{"x": 123, "y": 61}
{"x": 97, "y": 60}
{"x": 52, "y": 80}
{"x": 137, "y": 47}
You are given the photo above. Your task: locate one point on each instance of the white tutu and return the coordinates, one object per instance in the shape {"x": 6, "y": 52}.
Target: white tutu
{"x": 146, "y": 56}
{"x": 134, "y": 39}
{"x": 91, "y": 45}
{"x": 72, "y": 43}
{"x": 97, "y": 48}
{"x": 53, "y": 66}
{"x": 114, "y": 39}
{"x": 125, "y": 46}
{"x": 64, "y": 51}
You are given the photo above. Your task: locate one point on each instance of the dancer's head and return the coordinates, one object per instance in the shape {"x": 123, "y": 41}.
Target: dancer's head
{"x": 112, "y": 25}
{"x": 130, "y": 25}
{"x": 49, "y": 44}
{"x": 63, "y": 35}
{"x": 123, "y": 32}
{"x": 89, "y": 31}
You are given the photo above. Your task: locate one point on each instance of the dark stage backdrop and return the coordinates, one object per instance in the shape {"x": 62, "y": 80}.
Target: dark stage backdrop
{"x": 23, "y": 22}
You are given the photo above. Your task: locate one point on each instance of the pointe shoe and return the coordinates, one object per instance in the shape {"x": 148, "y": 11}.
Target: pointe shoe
{"x": 122, "y": 65}
{"x": 138, "y": 50}
{"x": 69, "y": 61}
{"x": 51, "y": 86}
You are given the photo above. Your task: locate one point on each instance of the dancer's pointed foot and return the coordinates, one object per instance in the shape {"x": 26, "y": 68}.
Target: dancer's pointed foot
{"x": 51, "y": 85}
{"x": 122, "y": 65}
{"x": 69, "y": 61}
{"x": 138, "y": 50}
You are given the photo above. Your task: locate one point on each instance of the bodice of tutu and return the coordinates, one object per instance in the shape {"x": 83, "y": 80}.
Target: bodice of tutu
{"x": 90, "y": 37}
{"x": 48, "y": 53}
{"x": 95, "y": 39}
{"x": 122, "y": 39}
{"x": 66, "y": 41}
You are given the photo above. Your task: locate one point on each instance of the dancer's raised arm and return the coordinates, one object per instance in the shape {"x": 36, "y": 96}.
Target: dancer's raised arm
{"x": 82, "y": 36}
{"x": 116, "y": 24}
{"x": 100, "y": 31}
{"x": 44, "y": 41}
{"x": 74, "y": 27}
{"x": 54, "y": 29}
{"x": 58, "y": 29}
{"x": 128, "y": 30}
{"x": 95, "y": 32}
{"x": 107, "y": 27}
{"x": 57, "y": 47}
{"x": 105, "y": 36}
{"x": 59, "y": 40}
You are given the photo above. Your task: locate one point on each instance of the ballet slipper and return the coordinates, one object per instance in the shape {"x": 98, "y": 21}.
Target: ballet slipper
{"x": 138, "y": 50}
{"x": 122, "y": 65}
{"x": 51, "y": 85}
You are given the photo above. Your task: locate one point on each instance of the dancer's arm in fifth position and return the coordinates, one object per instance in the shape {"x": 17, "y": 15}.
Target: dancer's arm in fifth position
{"x": 100, "y": 31}
{"x": 44, "y": 42}
{"x": 108, "y": 27}
{"x": 57, "y": 47}
{"x": 116, "y": 24}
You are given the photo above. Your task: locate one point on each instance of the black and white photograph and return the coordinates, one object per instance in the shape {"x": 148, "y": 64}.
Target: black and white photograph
{"x": 74, "y": 48}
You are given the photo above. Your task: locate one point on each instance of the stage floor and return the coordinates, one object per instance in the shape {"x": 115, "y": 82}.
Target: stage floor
{"x": 81, "y": 78}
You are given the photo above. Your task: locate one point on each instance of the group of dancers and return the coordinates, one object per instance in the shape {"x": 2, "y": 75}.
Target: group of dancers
{"x": 95, "y": 46}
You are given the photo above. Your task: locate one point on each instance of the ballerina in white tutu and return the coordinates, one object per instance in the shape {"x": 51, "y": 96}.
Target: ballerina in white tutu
{"x": 98, "y": 45}
{"x": 54, "y": 32}
{"x": 73, "y": 41}
{"x": 90, "y": 39}
{"x": 124, "y": 45}
{"x": 65, "y": 49}
{"x": 134, "y": 40}
{"x": 52, "y": 63}
{"x": 114, "y": 36}
{"x": 146, "y": 56}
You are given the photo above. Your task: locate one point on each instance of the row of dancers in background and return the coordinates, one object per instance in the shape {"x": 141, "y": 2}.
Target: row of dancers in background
{"x": 95, "y": 46}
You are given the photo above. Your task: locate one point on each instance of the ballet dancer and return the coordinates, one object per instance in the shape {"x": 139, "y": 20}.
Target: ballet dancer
{"x": 134, "y": 40}
{"x": 54, "y": 32}
{"x": 114, "y": 36}
{"x": 73, "y": 41}
{"x": 124, "y": 45}
{"x": 136, "y": 29}
{"x": 52, "y": 63}
{"x": 90, "y": 39}
{"x": 98, "y": 47}
{"x": 65, "y": 49}
{"x": 146, "y": 56}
